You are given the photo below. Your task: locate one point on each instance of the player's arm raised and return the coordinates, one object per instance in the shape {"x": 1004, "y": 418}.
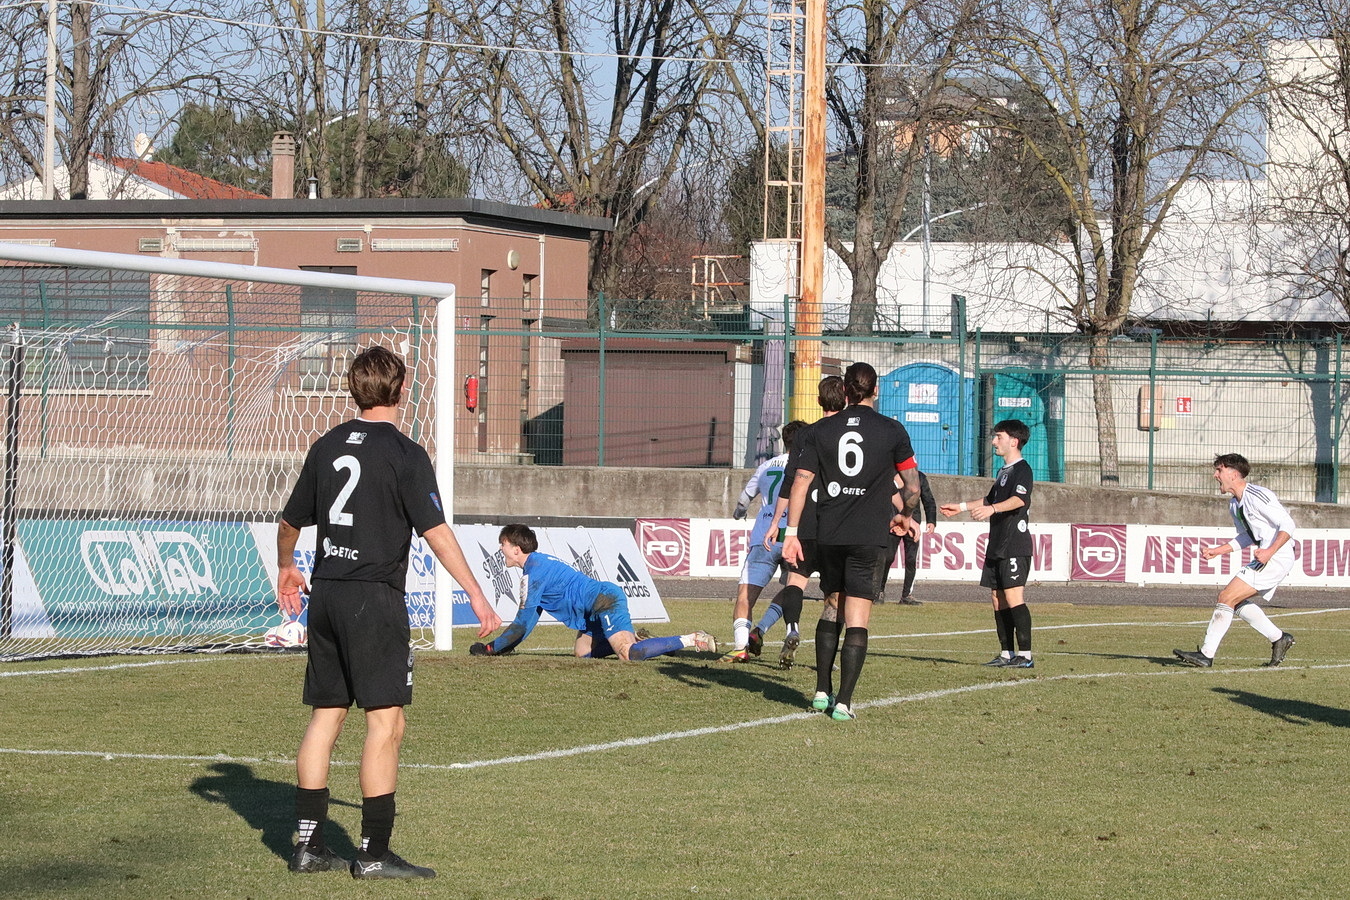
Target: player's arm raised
{"x": 290, "y": 582}
{"x": 442, "y": 542}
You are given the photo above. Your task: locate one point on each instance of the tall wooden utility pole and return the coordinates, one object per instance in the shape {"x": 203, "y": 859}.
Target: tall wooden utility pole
{"x": 808, "y": 319}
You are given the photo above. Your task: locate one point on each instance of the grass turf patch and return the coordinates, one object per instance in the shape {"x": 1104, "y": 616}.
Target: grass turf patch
{"x": 1107, "y": 771}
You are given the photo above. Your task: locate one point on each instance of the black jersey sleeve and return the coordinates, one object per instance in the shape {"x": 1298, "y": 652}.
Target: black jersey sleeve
{"x": 419, "y": 491}
{"x": 300, "y": 509}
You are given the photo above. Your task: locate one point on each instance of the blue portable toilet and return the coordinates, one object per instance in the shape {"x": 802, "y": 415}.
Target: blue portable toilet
{"x": 927, "y": 398}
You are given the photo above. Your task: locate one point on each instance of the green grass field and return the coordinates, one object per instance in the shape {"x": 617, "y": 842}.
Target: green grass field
{"x": 1108, "y": 771}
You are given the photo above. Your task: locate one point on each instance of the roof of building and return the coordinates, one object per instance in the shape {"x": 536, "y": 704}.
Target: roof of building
{"x": 179, "y": 181}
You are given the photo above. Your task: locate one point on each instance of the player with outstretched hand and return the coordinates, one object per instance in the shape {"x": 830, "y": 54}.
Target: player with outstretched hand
{"x": 598, "y": 610}
{"x": 1007, "y": 554}
{"x": 368, "y": 487}
{"x": 1261, "y": 522}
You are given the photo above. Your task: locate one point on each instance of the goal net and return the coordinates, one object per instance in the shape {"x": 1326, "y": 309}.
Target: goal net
{"x": 155, "y": 424}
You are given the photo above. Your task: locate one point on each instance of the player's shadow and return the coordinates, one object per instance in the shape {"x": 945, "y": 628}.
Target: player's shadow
{"x": 1295, "y": 712}
{"x": 914, "y": 657}
{"x": 1096, "y": 654}
{"x": 268, "y": 807}
{"x": 739, "y": 676}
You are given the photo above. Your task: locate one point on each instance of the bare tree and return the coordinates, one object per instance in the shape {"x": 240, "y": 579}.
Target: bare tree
{"x": 115, "y": 72}
{"x": 888, "y": 99}
{"x": 598, "y": 104}
{"x": 1309, "y": 157}
{"x": 1143, "y": 96}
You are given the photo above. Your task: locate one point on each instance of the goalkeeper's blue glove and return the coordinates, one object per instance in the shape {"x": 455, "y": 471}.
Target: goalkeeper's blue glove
{"x": 739, "y": 512}
{"x": 480, "y": 649}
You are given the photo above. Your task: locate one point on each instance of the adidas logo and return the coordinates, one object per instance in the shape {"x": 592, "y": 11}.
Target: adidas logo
{"x": 626, "y": 572}
{"x": 630, "y": 581}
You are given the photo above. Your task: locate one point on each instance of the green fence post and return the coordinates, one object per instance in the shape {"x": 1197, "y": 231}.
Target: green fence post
{"x": 958, "y": 329}
{"x": 979, "y": 379}
{"x": 1152, "y": 400}
{"x": 1336, "y": 430}
{"x": 600, "y": 445}
{"x": 46, "y": 367}
{"x": 230, "y": 326}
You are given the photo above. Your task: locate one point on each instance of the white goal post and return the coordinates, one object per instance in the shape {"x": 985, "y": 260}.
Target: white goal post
{"x": 150, "y": 386}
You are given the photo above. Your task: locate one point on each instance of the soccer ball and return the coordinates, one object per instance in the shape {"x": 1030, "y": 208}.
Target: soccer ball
{"x": 287, "y": 634}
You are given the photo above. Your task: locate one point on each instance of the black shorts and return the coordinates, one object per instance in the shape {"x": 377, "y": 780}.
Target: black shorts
{"x": 1006, "y": 573}
{"x": 853, "y": 568}
{"x": 810, "y": 565}
{"x": 358, "y": 645}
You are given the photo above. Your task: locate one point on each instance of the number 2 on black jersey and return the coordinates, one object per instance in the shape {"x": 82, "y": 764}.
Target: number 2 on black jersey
{"x": 336, "y": 514}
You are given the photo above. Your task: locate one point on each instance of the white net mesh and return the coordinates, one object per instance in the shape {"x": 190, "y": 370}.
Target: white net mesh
{"x": 156, "y": 425}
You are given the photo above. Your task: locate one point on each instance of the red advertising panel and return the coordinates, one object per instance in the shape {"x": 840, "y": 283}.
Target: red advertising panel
{"x": 665, "y": 545}
{"x": 1098, "y": 552}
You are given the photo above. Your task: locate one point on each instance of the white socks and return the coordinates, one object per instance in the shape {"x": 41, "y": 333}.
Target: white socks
{"x": 1250, "y": 613}
{"x": 741, "y": 633}
{"x": 1218, "y": 627}
{"x": 1256, "y": 617}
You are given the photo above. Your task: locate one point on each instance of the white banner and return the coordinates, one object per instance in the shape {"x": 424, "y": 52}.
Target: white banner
{"x": 605, "y": 554}
{"x": 1170, "y": 554}
{"x": 954, "y": 552}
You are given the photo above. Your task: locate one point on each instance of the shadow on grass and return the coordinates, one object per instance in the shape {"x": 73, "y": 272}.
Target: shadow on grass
{"x": 54, "y": 878}
{"x": 1295, "y": 712}
{"x": 915, "y": 657}
{"x": 268, "y": 807}
{"x": 739, "y": 676}
{"x": 1156, "y": 660}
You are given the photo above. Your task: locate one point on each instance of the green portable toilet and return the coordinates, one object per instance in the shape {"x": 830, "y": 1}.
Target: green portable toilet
{"x": 1037, "y": 398}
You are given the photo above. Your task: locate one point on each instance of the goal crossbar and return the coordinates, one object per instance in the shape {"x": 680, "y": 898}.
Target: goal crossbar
{"x": 158, "y": 265}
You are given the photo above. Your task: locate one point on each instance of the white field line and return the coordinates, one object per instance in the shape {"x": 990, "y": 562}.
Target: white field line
{"x": 76, "y": 670}
{"x": 691, "y": 733}
{"x": 110, "y": 667}
{"x": 1036, "y": 629}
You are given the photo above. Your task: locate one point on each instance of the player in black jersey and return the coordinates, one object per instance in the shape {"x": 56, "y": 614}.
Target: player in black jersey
{"x": 367, "y": 487}
{"x": 1007, "y": 556}
{"x": 832, "y": 398}
{"x": 854, "y": 457}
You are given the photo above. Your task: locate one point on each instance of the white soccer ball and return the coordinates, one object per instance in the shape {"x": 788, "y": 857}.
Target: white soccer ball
{"x": 287, "y": 634}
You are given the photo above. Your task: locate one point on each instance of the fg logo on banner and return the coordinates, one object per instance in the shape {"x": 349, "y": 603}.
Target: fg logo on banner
{"x": 1098, "y": 552}
{"x": 665, "y": 545}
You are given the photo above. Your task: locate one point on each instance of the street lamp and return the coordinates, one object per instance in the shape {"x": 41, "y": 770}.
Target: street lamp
{"x": 927, "y": 243}
{"x": 49, "y": 119}
{"x": 49, "y": 113}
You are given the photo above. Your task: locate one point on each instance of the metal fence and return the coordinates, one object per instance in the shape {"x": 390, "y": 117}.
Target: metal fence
{"x": 712, "y": 389}
{"x": 602, "y": 382}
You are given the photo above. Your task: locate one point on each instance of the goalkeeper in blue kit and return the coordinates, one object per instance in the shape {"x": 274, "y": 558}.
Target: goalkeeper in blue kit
{"x": 597, "y": 610}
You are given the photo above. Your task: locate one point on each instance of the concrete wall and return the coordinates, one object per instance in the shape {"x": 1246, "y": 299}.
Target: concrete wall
{"x": 544, "y": 492}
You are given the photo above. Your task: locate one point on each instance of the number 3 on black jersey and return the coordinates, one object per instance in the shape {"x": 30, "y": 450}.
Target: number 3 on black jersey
{"x": 850, "y": 453}
{"x": 336, "y": 514}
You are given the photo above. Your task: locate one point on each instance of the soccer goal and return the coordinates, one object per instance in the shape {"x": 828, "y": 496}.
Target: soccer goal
{"x": 158, "y": 412}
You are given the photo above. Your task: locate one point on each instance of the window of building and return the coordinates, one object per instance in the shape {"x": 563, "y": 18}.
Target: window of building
{"x": 95, "y": 325}
{"x": 328, "y": 325}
